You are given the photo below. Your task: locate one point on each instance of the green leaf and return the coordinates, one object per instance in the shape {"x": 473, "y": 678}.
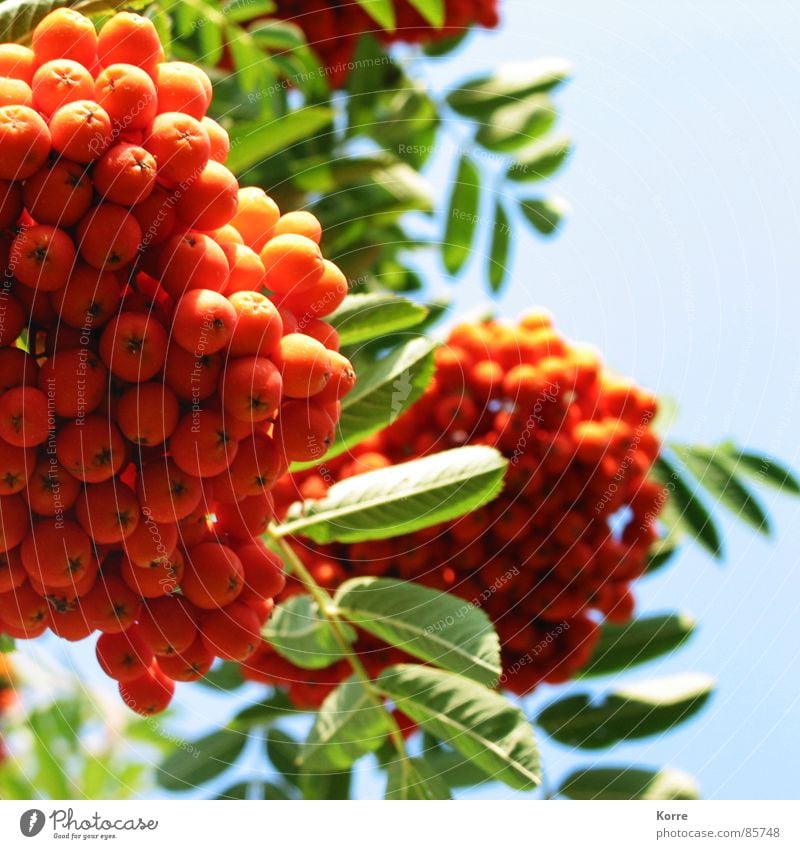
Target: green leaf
{"x": 253, "y": 142}
{"x": 432, "y": 10}
{"x": 193, "y": 764}
{"x": 629, "y": 782}
{"x": 264, "y": 712}
{"x": 443, "y": 46}
{"x": 297, "y": 632}
{"x": 381, "y": 11}
{"x": 480, "y": 97}
{"x": 462, "y": 218}
{"x": 518, "y": 124}
{"x": 498, "y": 254}
{"x": 541, "y": 160}
{"x": 7, "y": 644}
{"x": 760, "y": 469}
{"x": 277, "y": 35}
{"x": 661, "y": 552}
{"x": 326, "y": 785}
{"x": 684, "y": 510}
{"x": 414, "y": 778}
{"x": 720, "y": 481}
{"x": 638, "y": 641}
{"x": 545, "y": 214}
{"x": 433, "y": 626}
{"x": 348, "y": 725}
{"x": 283, "y": 752}
{"x": 243, "y": 13}
{"x": 454, "y": 769}
{"x": 638, "y": 710}
{"x": 400, "y": 499}
{"x": 479, "y": 723}
{"x": 383, "y": 391}
{"x": 363, "y": 317}
{"x": 254, "y": 790}
{"x": 226, "y": 676}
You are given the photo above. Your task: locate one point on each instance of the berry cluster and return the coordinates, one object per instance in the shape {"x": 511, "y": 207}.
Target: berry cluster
{"x": 558, "y": 550}
{"x": 151, "y": 392}
{"x": 333, "y": 27}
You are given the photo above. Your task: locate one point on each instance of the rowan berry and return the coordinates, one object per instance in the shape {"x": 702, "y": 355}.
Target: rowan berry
{"x": 214, "y": 576}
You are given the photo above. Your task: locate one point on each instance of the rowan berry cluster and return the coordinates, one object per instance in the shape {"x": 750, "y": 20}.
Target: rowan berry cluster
{"x": 333, "y": 27}
{"x": 162, "y": 359}
{"x": 556, "y": 553}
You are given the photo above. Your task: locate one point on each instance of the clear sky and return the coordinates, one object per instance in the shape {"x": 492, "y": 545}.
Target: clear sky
{"x": 679, "y": 261}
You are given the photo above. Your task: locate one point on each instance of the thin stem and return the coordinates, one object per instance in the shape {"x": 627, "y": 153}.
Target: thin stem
{"x": 328, "y": 610}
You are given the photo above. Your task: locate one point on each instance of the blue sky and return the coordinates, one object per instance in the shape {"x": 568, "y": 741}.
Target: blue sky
{"x": 679, "y": 261}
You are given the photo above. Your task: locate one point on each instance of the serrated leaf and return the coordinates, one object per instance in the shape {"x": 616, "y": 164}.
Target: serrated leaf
{"x": 414, "y": 778}
{"x": 264, "y": 712}
{"x": 364, "y": 317}
{"x": 629, "y": 782}
{"x": 637, "y": 641}
{"x": 432, "y": 10}
{"x": 348, "y": 725}
{"x": 430, "y": 625}
{"x": 544, "y": 214}
{"x": 498, "y": 253}
{"x": 638, "y": 710}
{"x": 253, "y": 142}
{"x": 720, "y": 481}
{"x": 194, "y": 764}
{"x": 298, "y": 632}
{"x": 517, "y": 124}
{"x": 386, "y": 389}
{"x": 400, "y": 499}
{"x": 540, "y": 160}
{"x": 381, "y": 11}
{"x": 685, "y": 510}
{"x": 475, "y": 721}
{"x": 760, "y": 469}
{"x": 462, "y": 217}
{"x": 480, "y": 97}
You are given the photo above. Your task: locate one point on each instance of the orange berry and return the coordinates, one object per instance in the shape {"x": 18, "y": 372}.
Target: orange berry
{"x": 127, "y": 38}
{"x": 255, "y": 217}
{"x": 181, "y": 147}
{"x": 128, "y": 95}
{"x": 65, "y": 34}
{"x": 125, "y": 174}
{"x": 58, "y": 82}
{"x": 292, "y": 263}
{"x": 25, "y": 142}
{"x": 60, "y": 194}
{"x": 210, "y": 200}
{"x": 81, "y": 130}
{"x": 183, "y": 88}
